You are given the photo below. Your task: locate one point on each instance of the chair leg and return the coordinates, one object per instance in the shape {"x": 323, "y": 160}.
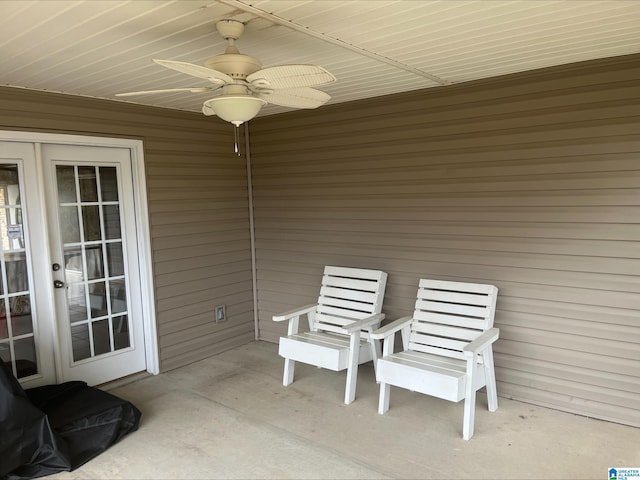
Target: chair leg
{"x": 490, "y": 379}
{"x": 469, "y": 416}
{"x": 469, "y": 402}
{"x": 289, "y": 368}
{"x": 352, "y": 369}
{"x": 350, "y": 390}
{"x": 383, "y": 402}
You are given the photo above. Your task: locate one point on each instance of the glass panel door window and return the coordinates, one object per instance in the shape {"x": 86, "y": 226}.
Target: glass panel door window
{"x": 17, "y": 336}
{"x": 91, "y": 231}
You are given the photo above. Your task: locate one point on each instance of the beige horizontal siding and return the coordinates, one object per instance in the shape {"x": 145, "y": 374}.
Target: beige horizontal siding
{"x": 530, "y": 182}
{"x": 198, "y": 207}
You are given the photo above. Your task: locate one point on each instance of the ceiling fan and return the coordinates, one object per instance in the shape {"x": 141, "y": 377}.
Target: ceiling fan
{"x": 245, "y": 86}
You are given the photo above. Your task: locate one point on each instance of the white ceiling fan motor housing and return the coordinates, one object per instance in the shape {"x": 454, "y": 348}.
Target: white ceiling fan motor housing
{"x": 232, "y": 62}
{"x": 236, "y": 65}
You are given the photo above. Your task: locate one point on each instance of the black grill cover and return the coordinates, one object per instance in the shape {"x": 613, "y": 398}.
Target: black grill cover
{"x": 49, "y": 429}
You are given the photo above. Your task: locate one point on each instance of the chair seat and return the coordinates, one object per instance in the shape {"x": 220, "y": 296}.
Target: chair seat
{"x": 326, "y": 350}
{"x": 435, "y": 375}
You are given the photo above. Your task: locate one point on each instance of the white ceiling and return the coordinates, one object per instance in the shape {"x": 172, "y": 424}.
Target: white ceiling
{"x": 98, "y": 48}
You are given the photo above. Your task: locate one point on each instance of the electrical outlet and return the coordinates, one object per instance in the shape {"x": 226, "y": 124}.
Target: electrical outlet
{"x": 221, "y": 313}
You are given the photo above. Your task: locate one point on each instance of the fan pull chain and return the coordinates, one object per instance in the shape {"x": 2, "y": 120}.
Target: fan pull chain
{"x": 236, "y": 137}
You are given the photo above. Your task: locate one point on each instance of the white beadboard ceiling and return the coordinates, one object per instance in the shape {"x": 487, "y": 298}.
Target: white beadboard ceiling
{"x": 98, "y": 48}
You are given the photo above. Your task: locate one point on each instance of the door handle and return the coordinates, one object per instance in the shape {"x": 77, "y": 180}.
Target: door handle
{"x": 58, "y": 283}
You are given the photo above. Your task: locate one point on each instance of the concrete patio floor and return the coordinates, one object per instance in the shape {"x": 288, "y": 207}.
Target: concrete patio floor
{"x": 230, "y": 417}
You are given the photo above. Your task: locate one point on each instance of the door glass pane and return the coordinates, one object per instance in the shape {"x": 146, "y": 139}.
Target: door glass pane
{"x": 109, "y": 184}
{"x": 121, "y": 332}
{"x": 66, "y": 179}
{"x": 25, "y": 353}
{"x": 69, "y": 225}
{"x": 80, "y": 342}
{"x": 91, "y": 223}
{"x": 94, "y": 262}
{"x": 73, "y": 264}
{"x": 97, "y": 299}
{"x": 118, "y": 296}
{"x": 20, "y": 311}
{"x": 11, "y": 228}
{"x": 112, "y": 222}
{"x": 101, "y": 339}
{"x": 17, "y": 276}
{"x": 17, "y": 343}
{"x": 115, "y": 261}
{"x": 5, "y": 353}
{"x": 88, "y": 186}
{"x": 77, "y": 302}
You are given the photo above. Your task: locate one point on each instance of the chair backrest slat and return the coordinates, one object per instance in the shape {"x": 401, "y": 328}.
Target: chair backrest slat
{"x": 347, "y": 295}
{"x": 442, "y": 352}
{"x": 448, "y": 315}
{"x": 337, "y": 318}
{"x": 361, "y": 273}
{"x": 364, "y": 296}
{"x": 446, "y": 319}
{"x": 345, "y": 307}
{"x": 440, "y": 306}
{"x": 446, "y": 331}
{"x": 327, "y": 327}
{"x": 444, "y": 285}
{"x": 475, "y": 298}
{"x": 437, "y": 341}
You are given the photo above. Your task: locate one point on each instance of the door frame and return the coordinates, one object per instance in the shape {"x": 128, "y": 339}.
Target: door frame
{"x": 141, "y": 213}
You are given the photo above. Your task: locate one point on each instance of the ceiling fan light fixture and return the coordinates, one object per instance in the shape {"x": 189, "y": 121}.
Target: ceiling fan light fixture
{"x": 235, "y": 109}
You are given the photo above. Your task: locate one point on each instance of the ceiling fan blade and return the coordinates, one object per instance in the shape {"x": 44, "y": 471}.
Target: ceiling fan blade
{"x": 291, "y": 76}
{"x": 296, "y": 97}
{"x": 199, "y": 71}
{"x": 168, "y": 90}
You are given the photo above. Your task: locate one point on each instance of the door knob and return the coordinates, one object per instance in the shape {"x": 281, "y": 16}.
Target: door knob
{"x": 55, "y": 267}
{"x": 58, "y": 283}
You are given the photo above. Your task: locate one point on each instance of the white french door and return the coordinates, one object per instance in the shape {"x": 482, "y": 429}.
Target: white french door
{"x": 71, "y": 250}
{"x": 24, "y": 343}
{"x": 94, "y": 261}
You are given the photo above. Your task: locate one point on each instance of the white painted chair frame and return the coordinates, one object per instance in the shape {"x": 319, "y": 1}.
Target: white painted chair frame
{"x": 340, "y": 324}
{"x": 447, "y": 347}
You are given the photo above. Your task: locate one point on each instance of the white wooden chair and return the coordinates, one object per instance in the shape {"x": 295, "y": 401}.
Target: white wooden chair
{"x": 340, "y": 324}
{"x": 447, "y": 347}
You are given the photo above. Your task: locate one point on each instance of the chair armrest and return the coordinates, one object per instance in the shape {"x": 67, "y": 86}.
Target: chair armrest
{"x": 480, "y": 343}
{"x": 296, "y": 312}
{"x": 365, "y": 322}
{"x": 391, "y": 328}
